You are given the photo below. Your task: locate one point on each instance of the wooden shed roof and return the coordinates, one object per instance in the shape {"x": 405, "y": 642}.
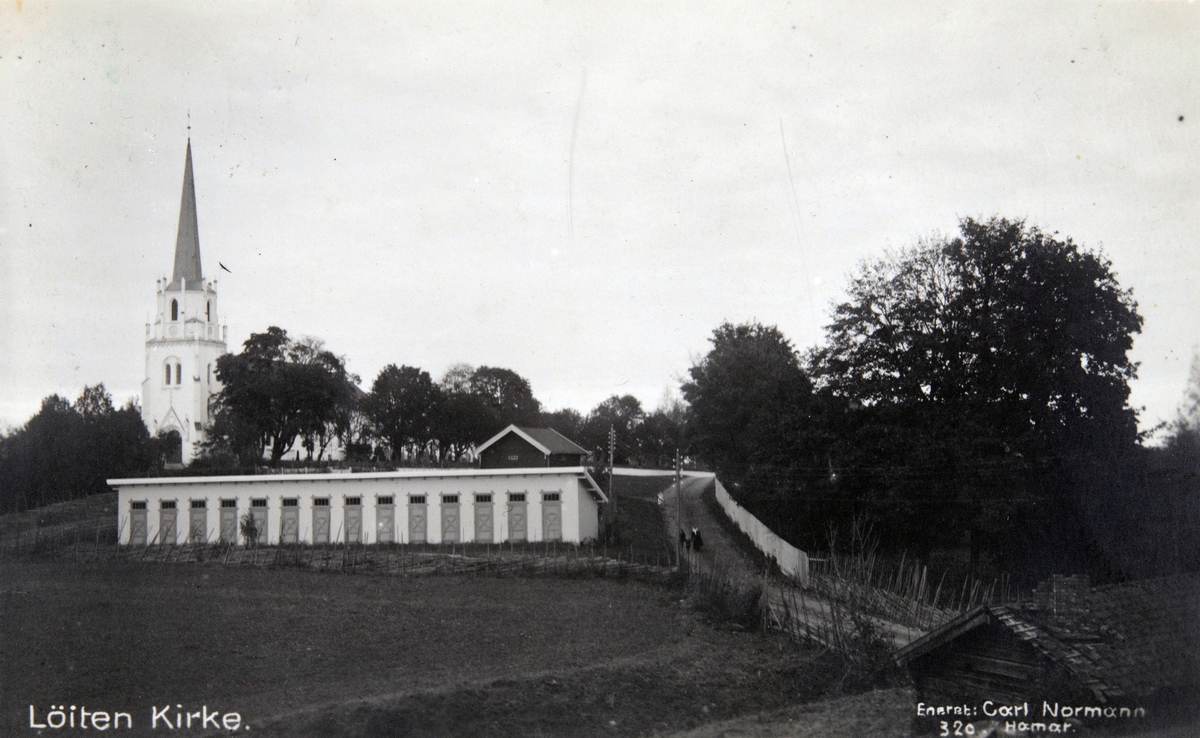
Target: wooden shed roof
{"x": 1119, "y": 640}
{"x": 546, "y": 440}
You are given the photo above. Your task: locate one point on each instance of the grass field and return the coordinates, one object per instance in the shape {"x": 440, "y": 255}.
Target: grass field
{"x": 316, "y": 653}
{"x": 303, "y": 653}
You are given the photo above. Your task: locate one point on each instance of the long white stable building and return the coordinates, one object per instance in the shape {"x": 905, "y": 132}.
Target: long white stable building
{"x": 410, "y": 506}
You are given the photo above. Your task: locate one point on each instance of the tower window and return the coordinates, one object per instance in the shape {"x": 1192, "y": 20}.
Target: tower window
{"x": 208, "y": 311}
{"x": 179, "y": 374}
{"x": 168, "y": 367}
{"x": 174, "y": 309}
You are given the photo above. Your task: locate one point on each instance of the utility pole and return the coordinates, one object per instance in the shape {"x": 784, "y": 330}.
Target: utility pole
{"x": 678, "y": 510}
{"x": 612, "y": 447}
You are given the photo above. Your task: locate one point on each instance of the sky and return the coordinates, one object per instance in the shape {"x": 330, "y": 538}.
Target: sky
{"x": 577, "y": 191}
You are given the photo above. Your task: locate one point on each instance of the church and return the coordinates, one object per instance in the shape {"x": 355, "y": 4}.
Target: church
{"x": 184, "y": 341}
{"x": 539, "y": 490}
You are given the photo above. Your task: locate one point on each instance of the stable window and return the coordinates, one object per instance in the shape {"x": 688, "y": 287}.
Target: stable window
{"x": 291, "y": 502}
{"x": 417, "y": 499}
{"x": 228, "y": 503}
{"x": 260, "y": 502}
{"x": 384, "y": 500}
{"x": 353, "y": 500}
{"x": 321, "y": 502}
{"x": 168, "y": 504}
{"x": 483, "y": 498}
{"x": 550, "y": 496}
{"x": 137, "y": 505}
{"x": 449, "y": 499}
{"x": 199, "y": 504}
{"x": 516, "y": 496}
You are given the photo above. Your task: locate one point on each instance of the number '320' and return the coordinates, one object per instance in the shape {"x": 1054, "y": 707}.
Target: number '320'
{"x": 959, "y": 728}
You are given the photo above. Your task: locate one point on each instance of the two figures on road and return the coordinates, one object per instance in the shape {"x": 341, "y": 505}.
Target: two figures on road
{"x": 694, "y": 542}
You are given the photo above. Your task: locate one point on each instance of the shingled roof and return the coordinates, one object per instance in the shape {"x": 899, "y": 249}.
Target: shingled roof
{"x": 547, "y": 440}
{"x": 1117, "y": 641}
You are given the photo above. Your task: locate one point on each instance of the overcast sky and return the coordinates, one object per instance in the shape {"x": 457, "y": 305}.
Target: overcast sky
{"x": 578, "y": 191}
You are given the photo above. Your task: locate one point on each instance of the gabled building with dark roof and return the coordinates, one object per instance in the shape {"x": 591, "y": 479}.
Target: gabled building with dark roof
{"x": 520, "y": 447}
{"x": 1131, "y": 643}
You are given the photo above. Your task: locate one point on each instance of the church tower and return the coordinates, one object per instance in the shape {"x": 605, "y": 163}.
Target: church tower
{"x": 184, "y": 342}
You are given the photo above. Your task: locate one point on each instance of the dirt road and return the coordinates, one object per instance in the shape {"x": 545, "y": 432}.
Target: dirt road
{"x": 693, "y": 512}
{"x": 804, "y": 614}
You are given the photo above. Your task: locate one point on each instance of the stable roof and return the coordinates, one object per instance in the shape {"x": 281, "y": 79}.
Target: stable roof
{"x": 578, "y": 471}
{"x": 546, "y": 440}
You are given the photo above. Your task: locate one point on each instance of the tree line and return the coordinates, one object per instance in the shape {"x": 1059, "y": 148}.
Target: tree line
{"x": 68, "y": 449}
{"x": 971, "y": 393}
{"x": 281, "y": 395}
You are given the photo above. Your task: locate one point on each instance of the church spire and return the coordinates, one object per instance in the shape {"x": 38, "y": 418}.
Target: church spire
{"x": 187, "y": 242}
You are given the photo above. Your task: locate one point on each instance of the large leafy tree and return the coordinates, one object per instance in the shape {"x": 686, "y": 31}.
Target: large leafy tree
{"x": 977, "y": 363}
{"x": 1004, "y": 328}
{"x": 1185, "y": 430}
{"x": 463, "y": 418}
{"x": 624, "y": 415}
{"x": 275, "y": 391}
{"x": 747, "y": 402}
{"x": 508, "y": 394}
{"x": 403, "y": 405}
{"x": 661, "y": 434}
{"x": 566, "y": 421}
